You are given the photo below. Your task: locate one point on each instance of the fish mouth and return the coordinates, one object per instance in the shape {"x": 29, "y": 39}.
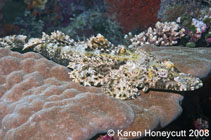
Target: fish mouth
{"x": 197, "y": 84}
{"x": 181, "y": 82}
{"x": 187, "y": 82}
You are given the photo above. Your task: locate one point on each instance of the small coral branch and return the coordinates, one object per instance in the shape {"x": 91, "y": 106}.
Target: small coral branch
{"x": 164, "y": 34}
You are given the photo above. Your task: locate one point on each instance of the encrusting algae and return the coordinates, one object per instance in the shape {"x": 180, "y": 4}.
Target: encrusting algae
{"x": 121, "y": 71}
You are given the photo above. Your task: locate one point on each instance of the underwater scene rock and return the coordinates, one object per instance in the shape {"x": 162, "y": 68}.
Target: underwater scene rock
{"x": 38, "y": 101}
{"x": 121, "y": 71}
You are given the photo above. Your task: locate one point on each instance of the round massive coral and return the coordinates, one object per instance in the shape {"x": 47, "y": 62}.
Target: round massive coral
{"x": 38, "y": 101}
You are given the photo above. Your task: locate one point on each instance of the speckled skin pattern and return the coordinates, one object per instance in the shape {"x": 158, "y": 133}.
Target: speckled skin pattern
{"x": 121, "y": 71}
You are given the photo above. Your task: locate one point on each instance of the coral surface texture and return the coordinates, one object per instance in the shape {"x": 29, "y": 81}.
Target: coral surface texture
{"x": 39, "y": 102}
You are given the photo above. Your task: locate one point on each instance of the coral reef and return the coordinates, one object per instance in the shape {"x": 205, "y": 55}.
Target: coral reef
{"x": 7, "y": 16}
{"x": 193, "y": 16}
{"x": 172, "y": 9}
{"x": 164, "y": 34}
{"x": 1, "y": 5}
{"x": 201, "y": 124}
{"x": 207, "y": 1}
{"x": 92, "y": 22}
{"x": 133, "y": 14}
{"x": 78, "y": 18}
{"x": 121, "y": 71}
{"x": 36, "y": 3}
{"x": 106, "y": 137}
{"x": 38, "y": 101}
{"x": 197, "y": 31}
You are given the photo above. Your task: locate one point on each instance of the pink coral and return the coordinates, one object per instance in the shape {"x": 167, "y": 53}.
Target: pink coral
{"x": 209, "y": 40}
{"x": 106, "y": 137}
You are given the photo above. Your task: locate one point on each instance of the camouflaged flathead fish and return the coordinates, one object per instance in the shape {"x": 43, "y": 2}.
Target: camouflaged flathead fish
{"x": 121, "y": 71}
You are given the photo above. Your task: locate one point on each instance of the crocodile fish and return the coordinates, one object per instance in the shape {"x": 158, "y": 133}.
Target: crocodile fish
{"x": 121, "y": 71}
